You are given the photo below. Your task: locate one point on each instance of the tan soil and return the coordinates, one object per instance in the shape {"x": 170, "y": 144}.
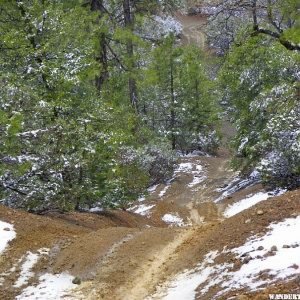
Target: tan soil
{"x": 119, "y": 257}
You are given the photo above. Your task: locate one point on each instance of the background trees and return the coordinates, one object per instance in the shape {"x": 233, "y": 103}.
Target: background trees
{"x": 182, "y": 105}
{"x": 271, "y": 18}
{"x": 259, "y": 81}
{"x": 75, "y": 108}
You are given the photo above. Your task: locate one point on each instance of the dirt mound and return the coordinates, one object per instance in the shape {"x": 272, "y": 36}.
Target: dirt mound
{"x": 77, "y": 241}
{"x": 106, "y": 219}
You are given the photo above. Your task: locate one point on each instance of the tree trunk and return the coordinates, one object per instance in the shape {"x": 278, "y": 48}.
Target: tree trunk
{"x": 97, "y": 5}
{"x": 173, "y": 115}
{"x": 129, "y": 24}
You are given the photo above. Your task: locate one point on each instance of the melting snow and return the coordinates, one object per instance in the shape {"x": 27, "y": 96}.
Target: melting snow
{"x": 196, "y": 180}
{"x": 50, "y": 287}
{"x": 163, "y": 192}
{"x": 96, "y": 209}
{"x": 282, "y": 235}
{"x": 173, "y": 220}
{"x": 30, "y": 260}
{"x": 153, "y": 188}
{"x": 237, "y": 184}
{"x": 249, "y": 202}
{"x": 184, "y": 286}
{"x": 194, "y": 169}
{"x": 142, "y": 209}
{"x": 245, "y": 204}
{"x": 7, "y": 233}
{"x": 184, "y": 167}
{"x": 281, "y": 264}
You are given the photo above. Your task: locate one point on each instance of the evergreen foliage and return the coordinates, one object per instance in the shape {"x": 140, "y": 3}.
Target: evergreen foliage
{"x": 76, "y": 83}
{"x": 260, "y": 83}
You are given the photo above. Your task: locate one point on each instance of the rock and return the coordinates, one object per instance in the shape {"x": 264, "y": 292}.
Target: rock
{"x": 247, "y": 259}
{"x": 274, "y": 248}
{"x": 260, "y": 212}
{"x": 6, "y": 229}
{"x": 237, "y": 265}
{"x": 248, "y": 221}
{"x": 295, "y": 245}
{"x": 270, "y": 253}
{"x": 260, "y": 248}
{"x": 294, "y": 266}
{"x": 76, "y": 280}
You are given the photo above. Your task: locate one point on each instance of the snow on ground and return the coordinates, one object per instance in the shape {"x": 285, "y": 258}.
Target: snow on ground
{"x": 184, "y": 286}
{"x": 195, "y": 153}
{"x": 7, "y": 233}
{"x": 184, "y": 167}
{"x": 152, "y": 188}
{"x": 11, "y": 270}
{"x": 50, "y": 287}
{"x": 237, "y": 184}
{"x": 173, "y": 220}
{"x": 274, "y": 255}
{"x": 198, "y": 176}
{"x": 164, "y": 190}
{"x": 194, "y": 169}
{"x": 96, "y": 209}
{"x": 250, "y": 201}
{"x": 142, "y": 209}
{"x": 26, "y": 269}
{"x": 285, "y": 259}
{"x": 168, "y": 24}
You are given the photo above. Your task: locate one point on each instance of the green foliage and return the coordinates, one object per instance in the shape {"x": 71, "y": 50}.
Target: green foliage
{"x": 179, "y": 99}
{"x": 259, "y": 79}
{"x": 69, "y": 143}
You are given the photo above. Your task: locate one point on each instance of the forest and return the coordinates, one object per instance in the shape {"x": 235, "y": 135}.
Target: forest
{"x": 99, "y": 98}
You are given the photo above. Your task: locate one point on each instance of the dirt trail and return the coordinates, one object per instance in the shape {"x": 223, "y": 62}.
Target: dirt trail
{"x": 139, "y": 265}
{"x": 192, "y": 29}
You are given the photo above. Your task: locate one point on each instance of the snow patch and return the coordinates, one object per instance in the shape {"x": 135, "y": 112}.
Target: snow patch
{"x": 50, "y": 287}
{"x": 7, "y": 234}
{"x": 169, "y": 25}
{"x": 237, "y": 184}
{"x": 250, "y": 201}
{"x": 163, "y": 192}
{"x": 194, "y": 169}
{"x": 152, "y": 188}
{"x": 278, "y": 264}
{"x": 142, "y": 209}
{"x": 184, "y": 167}
{"x": 173, "y": 220}
{"x": 184, "y": 286}
{"x": 30, "y": 260}
{"x": 96, "y": 209}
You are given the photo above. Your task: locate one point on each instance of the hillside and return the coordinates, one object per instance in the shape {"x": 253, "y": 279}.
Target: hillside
{"x": 123, "y": 255}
